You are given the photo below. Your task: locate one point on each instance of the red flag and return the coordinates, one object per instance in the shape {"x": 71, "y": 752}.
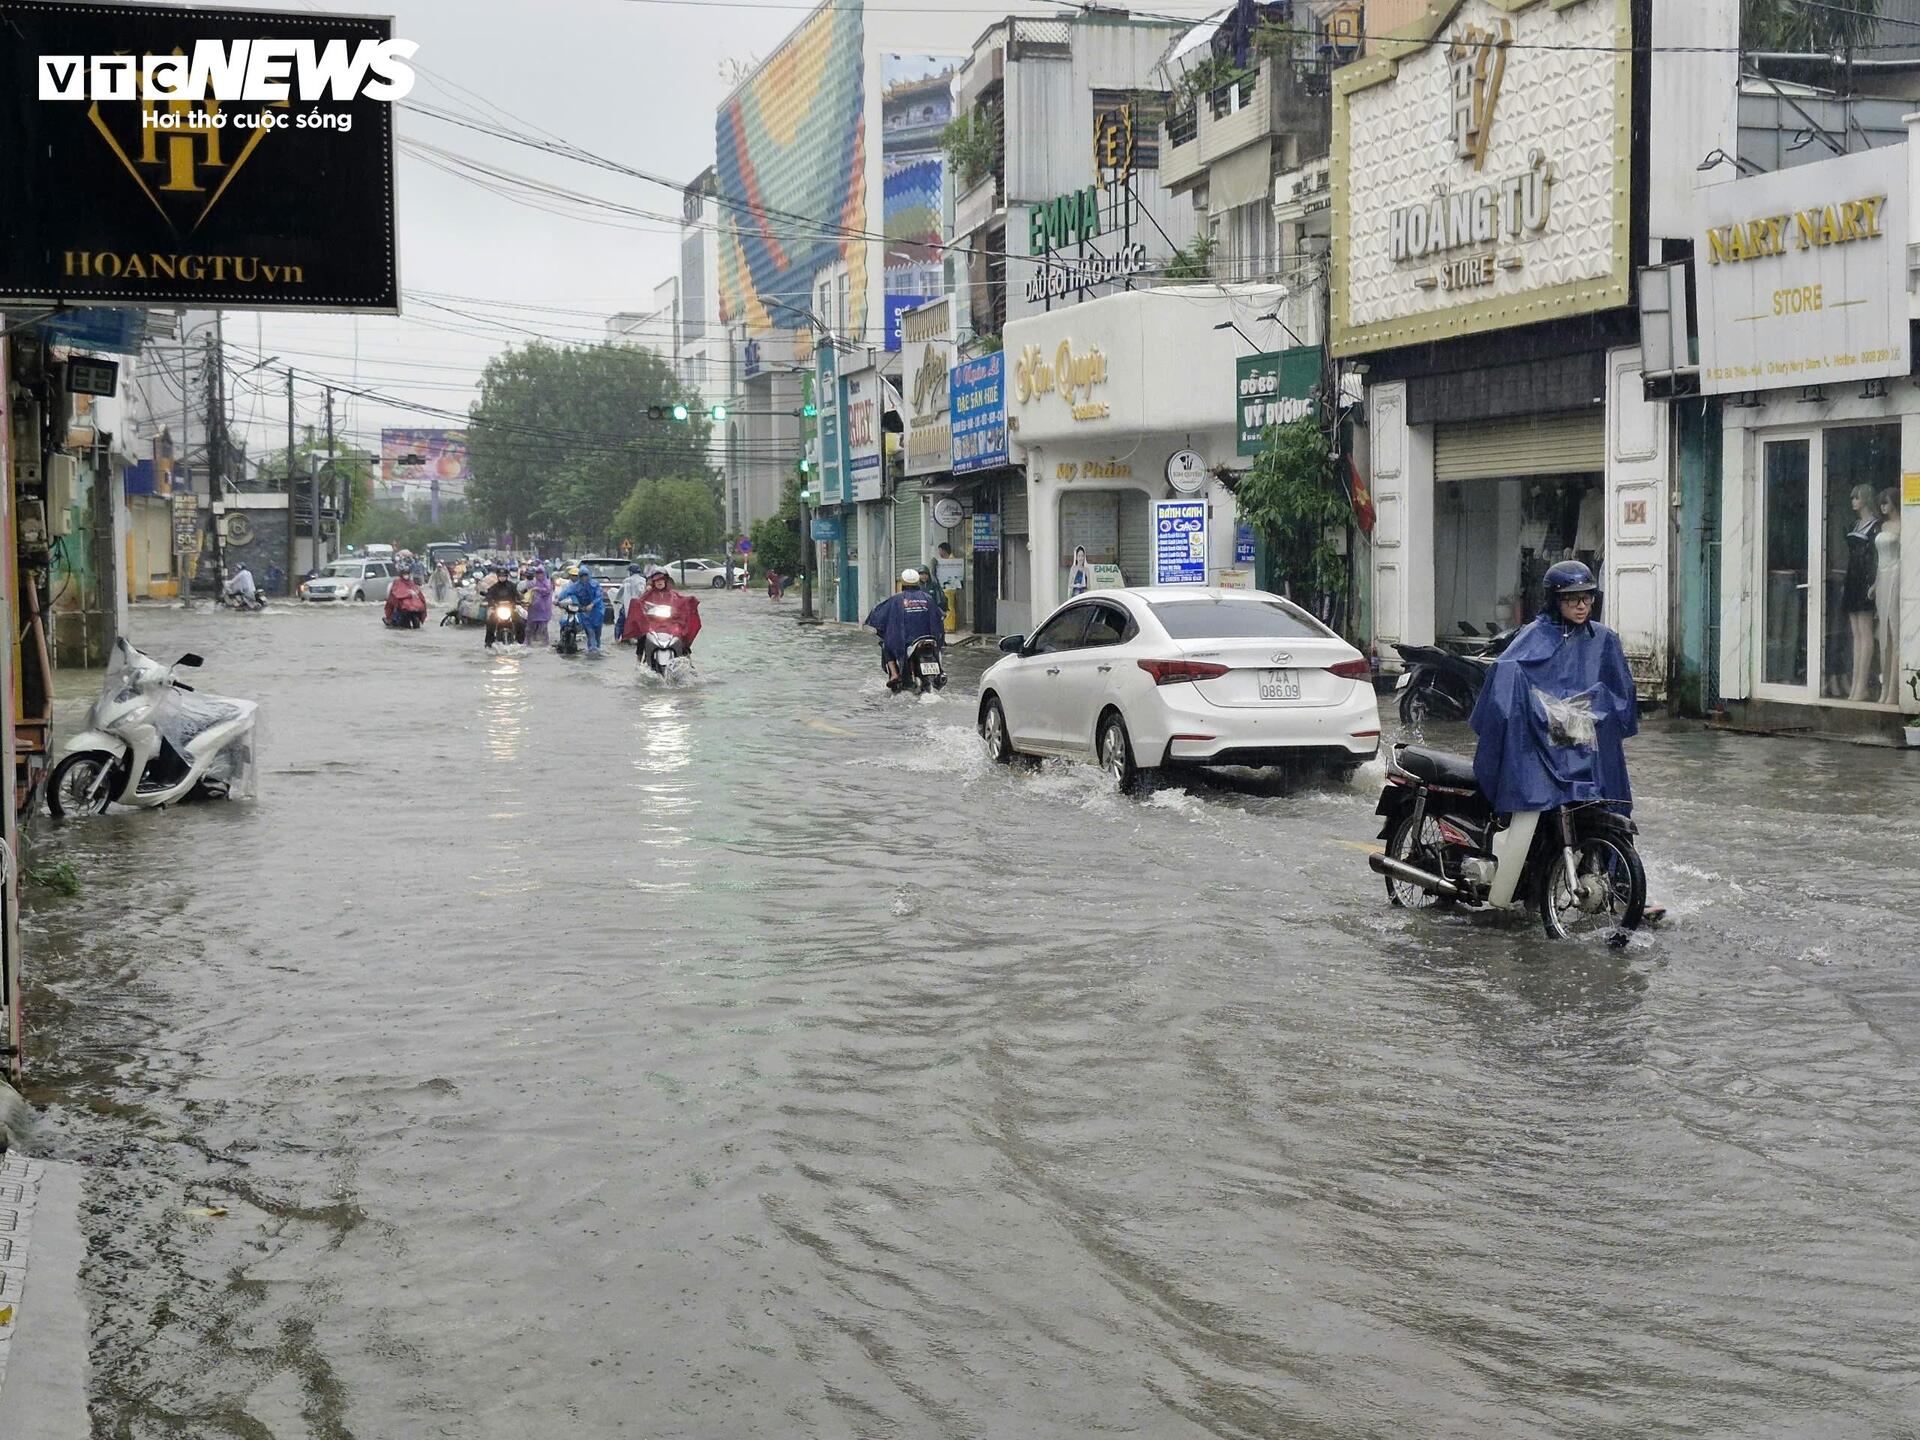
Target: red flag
{"x": 1362, "y": 498}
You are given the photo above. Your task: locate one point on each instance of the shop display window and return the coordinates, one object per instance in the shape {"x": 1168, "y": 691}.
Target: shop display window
{"x": 1830, "y": 587}
{"x": 1495, "y": 539}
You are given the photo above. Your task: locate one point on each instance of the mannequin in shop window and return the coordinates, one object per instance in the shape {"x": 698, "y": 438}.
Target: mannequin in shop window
{"x": 1856, "y": 599}
{"x": 1886, "y": 595}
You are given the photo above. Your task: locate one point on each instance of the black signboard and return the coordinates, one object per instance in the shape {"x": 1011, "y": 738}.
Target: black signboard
{"x": 236, "y": 203}
{"x": 89, "y": 376}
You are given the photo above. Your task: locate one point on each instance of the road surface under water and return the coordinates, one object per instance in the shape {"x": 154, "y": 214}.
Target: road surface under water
{"x": 572, "y": 1055}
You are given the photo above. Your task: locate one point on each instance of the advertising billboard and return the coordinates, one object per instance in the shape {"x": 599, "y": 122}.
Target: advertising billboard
{"x": 916, "y": 104}
{"x": 926, "y": 374}
{"x": 861, "y": 417}
{"x": 420, "y": 457}
{"x": 147, "y": 160}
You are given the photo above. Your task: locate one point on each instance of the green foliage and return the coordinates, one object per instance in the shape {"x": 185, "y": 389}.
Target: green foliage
{"x": 1276, "y": 39}
{"x": 59, "y": 877}
{"x": 395, "y": 525}
{"x": 776, "y": 539}
{"x": 1194, "y": 262}
{"x": 972, "y": 143}
{"x": 670, "y": 518}
{"x": 1294, "y": 497}
{"x": 1203, "y": 79}
{"x": 1796, "y": 25}
{"x": 560, "y": 437}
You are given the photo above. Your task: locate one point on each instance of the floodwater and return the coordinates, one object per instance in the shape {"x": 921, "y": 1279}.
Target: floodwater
{"x": 568, "y": 1055}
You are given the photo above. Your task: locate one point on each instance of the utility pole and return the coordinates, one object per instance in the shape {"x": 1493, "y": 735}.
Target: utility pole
{"x": 293, "y": 536}
{"x": 216, "y": 450}
{"x": 333, "y": 476}
{"x": 313, "y": 502}
{"x": 806, "y": 560}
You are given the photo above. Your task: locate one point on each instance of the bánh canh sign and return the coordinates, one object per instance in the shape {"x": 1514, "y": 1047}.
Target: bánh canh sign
{"x": 1793, "y": 272}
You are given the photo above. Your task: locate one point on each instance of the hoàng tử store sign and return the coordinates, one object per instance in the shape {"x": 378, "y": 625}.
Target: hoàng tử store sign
{"x": 153, "y": 155}
{"x": 1801, "y": 275}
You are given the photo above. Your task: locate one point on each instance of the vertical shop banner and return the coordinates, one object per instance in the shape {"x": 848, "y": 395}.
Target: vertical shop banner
{"x": 916, "y": 104}
{"x": 926, "y": 372}
{"x": 826, "y": 389}
{"x": 140, "y": 166}
{"x": 1180, "y": 542}
{"x": 861, "y": 419}
{"x": 978, "y": 395}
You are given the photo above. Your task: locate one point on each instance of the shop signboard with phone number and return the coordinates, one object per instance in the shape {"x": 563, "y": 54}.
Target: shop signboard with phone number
{"x": 1180, "y": 542}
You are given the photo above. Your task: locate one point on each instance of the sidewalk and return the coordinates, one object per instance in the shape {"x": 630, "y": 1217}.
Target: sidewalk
{"x": 43, "y": 1324}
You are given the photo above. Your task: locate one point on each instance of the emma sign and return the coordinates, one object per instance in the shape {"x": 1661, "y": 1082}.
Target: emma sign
{"x": 1482, "y": 171}
{"x": 1794, "y": 271}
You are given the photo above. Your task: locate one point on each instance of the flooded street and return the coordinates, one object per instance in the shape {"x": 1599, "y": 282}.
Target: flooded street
{"x": 571, "y": 1055}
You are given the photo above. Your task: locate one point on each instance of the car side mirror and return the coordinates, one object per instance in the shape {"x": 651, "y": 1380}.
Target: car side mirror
{"x": 1013, "y": 644}
{"x": 190, "y": 660}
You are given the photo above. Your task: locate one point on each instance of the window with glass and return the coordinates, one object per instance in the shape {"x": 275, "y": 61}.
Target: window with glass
{"x": 1830, "y": 564}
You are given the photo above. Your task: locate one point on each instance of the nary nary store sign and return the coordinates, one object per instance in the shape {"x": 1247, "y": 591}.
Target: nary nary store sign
{"x": 1482, "y": 172}
{"x": 1802, "y": 276}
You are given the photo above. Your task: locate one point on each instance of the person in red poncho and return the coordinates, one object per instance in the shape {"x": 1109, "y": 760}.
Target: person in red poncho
{"x": 682, "y": 619}
{"x": 406, "y": 604}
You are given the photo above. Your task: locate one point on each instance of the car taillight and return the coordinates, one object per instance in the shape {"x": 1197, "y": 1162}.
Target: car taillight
{"x": 1175, "y": 672}
{"x": 1352, "y": 670}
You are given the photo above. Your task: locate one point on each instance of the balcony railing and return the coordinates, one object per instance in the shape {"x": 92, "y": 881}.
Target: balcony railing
{"x": 1183, "y": 128}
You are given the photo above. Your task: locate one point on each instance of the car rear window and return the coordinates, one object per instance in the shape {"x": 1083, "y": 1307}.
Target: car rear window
{"x": 1237, "y": 620}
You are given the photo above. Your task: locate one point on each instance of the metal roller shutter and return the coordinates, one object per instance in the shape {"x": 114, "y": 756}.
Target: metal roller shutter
{"x": 907, "y": 547}
{"x": 1136, "y": 537}
{"x": 1013, "y": 503}
{"x": 1537, "y": 445}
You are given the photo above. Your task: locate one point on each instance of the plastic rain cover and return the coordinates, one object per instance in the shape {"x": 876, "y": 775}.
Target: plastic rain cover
{"x": 1552, "y": 719}
{"x": 184, "y": 716}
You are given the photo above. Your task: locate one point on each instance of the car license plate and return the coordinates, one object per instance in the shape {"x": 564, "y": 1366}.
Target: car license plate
{"x": 1279, "y": 684}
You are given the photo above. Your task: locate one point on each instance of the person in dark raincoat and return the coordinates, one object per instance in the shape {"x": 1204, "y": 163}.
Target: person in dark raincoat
{"x": 1537, "y": 748}
{"x": 902, "y": 618}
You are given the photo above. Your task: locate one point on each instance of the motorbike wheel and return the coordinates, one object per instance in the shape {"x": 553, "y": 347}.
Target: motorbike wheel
{"x": 82, "y": 784}
{"x": 1422, "y": 850}
{"x": 1413, "y": 704}
{"x": 1607, "y": 894}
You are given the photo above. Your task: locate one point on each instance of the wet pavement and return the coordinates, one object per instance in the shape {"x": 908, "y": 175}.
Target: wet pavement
{"x": 571, "y": 1055}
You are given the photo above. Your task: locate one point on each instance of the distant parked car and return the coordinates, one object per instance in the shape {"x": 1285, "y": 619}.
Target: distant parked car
{"x": 350, "y": 580}
{"x": 710, "y": 574}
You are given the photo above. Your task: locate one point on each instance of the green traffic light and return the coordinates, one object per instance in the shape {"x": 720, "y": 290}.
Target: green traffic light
{"x": 806, "y": 467}
{"x": 810, "y": 410}
{"x": 680, "y": 412}
{"x": 717, "y": 413}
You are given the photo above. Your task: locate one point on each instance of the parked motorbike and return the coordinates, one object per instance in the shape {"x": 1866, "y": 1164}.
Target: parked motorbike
{"x": 1446, "y": 848}
{"x": 921, "y": 671}
{"x": 506, "y": 620}
{"x": 151, "y": 740}
{"x": 1442, "y": 683}
{"x": 571, "y": 630}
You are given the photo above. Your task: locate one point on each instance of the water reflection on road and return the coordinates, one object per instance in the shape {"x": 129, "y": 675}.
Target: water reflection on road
{"x": 576, "y": 1054}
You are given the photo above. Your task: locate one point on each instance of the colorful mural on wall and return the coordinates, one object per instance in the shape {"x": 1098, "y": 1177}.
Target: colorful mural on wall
{"x": 915, "y": 106}
{"x": 790, "y": 148}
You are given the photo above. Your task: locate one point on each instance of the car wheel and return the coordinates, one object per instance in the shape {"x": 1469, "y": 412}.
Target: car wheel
{"x": 993, "y": 731}
{"x": 1116, "y": 754}
{"x": 719, "y": 582}
{"x": 361, "y": 596}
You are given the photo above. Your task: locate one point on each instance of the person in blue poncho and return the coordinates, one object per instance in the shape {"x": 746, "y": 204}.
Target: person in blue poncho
{"x": 1538, "y": 749}
{"x": 902, "y": 618}
{"x": 585, "y": 592}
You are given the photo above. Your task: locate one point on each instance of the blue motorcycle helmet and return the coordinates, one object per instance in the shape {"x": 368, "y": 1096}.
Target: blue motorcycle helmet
{"x": 1570, "y": 577}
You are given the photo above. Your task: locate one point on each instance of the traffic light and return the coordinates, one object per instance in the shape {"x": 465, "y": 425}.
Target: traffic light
{"x": 656, "y": 412}
{"x": 717, "y": 414}
{"x": 680, "y": 413}
{"x": 806, "y": 467}
{"x": 810, "y": 410}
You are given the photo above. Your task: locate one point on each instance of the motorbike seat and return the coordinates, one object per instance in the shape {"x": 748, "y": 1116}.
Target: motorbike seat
{"x": 1437, "y": 767}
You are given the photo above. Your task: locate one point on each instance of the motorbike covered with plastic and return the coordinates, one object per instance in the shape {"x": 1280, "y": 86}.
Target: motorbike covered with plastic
{"x": 183, "y": 716}
{"x": 1553, "y": 719}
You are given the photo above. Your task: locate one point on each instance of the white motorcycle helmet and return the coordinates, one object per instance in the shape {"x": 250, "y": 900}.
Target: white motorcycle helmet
{"x": 909, "y": 576}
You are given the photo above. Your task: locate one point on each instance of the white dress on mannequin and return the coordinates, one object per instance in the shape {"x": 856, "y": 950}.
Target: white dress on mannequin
{"x": 1886, "y": 608}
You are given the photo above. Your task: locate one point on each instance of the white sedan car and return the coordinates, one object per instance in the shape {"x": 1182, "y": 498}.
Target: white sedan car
{"x": 1138, "y": 679}
{"x": 703, "y": 574}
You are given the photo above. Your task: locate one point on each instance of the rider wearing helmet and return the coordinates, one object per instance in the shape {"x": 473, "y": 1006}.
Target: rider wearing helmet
{"x": 682, "y": 619}
{"x": 1558, "y": 706}
{"x": 902, "y": 618}
{"x": 631, "y": 589}
{"x": 585, "y": 592}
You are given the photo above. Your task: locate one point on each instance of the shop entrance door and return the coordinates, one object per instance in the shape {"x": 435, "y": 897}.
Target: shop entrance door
{"x": 1827, "y": 559}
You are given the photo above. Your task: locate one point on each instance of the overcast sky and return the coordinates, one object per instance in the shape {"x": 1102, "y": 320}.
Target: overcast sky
{"x": 634, "y": 80}
{"x": 629, "y": 79}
